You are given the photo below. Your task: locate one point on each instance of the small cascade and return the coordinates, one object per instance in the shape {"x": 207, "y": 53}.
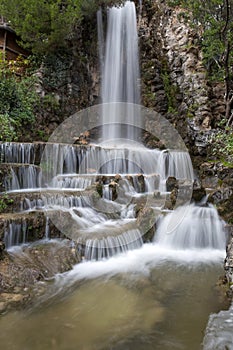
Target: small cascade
{"x": 15, "y": 234}
{"x": 59, "y": 159}
{"x": 107, "y": 192}
{"x": 21, "y": 228}
{"x": 47, "y": 228}
{"x": 191, "y": 227}
{"x": 31, "y": 204}
{"x": 23, "y": 177}
{"x": 12, "y": 152}
{"x": 178, "y": 164}
{"x": 96, "y": 249}
{"x": 56, "y": 200}
{"x": 156, "y": 166}
{"x": 72, "y": 181}
{"x": 152, "y": 182}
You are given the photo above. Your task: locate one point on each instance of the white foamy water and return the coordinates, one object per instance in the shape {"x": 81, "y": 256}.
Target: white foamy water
{"x": 120, "y": 71}
{"x": 23, "y": 177}
{"x": 141, "y": 261}
{"x": 190, "y": 227}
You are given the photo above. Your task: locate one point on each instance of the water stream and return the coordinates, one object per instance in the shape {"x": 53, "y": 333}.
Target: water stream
{"x": 126, "y": 294}
{"x": 150, "y": 298}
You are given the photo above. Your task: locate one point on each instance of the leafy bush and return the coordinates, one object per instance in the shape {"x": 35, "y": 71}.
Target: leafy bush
{"x": 221, "y": 144}
{"x": 7, "y": 131}
{"x": 17, "y": 100}
{"x": 42, "y": 25}
{"x": 55, "y": 69}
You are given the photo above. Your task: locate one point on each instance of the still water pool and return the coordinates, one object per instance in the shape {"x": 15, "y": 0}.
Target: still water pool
{"x": 150, "y": 298}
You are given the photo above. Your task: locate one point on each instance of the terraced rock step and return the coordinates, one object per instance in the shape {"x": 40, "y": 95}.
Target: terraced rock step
{"x": 21, "y": 152}
{"x": 65, "y": 158}
{"x": 34, "y": 199}
{"x": 26, "y": 227}
{"x": 15, "y": 176}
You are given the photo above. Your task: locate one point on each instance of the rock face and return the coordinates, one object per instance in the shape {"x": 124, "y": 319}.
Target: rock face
{"x": 22, "y": 269}
{"x": 68, "y": 80}
{"x": 188, "y": 75}
{"x": 151, "y": 58}
{"x": 180, "y": 43}
{"x": 229, "y": 262}
{"x": 174, "y": 79}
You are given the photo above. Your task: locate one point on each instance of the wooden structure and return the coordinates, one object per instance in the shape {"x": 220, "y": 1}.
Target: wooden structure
{"x": 8, "y": 43}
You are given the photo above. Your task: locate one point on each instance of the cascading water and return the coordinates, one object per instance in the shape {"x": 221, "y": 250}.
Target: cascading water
{"x": 72, "y": 168}
{"x": 192, "y": 227}
{"x": 120, "y": 73}
{"x": 140, "y": 170}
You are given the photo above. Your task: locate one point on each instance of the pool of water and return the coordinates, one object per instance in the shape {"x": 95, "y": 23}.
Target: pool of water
{"x": 150, "y": 298}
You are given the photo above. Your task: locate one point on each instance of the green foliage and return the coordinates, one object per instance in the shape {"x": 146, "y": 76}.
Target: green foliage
{"x": 17, "y": 100}
{"x": 175, "y": 3}
{"x": 42, "y": 135}
{"x": 55, "y": 69}
{"x": 7, "y": 131}
{"x": 42, "y": 25}
{"x": 5, "y": 201}
{"x": 47, "y": 25}
{"x": 50, "y": 103}
{"x": 221, "y": 143}
{"x": 171, "y": 90}
{"x": 214, "y": 19}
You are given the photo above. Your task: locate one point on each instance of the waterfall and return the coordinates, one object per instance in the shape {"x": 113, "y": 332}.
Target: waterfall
{"x": 15, "y": 234}
{"x": 120, "y": 73}
{"x": 11, "y": 152}
{"x": 127, "y": 172}
{"x": 100, "y": 37}
{"x": 96, "y": 249}
{"x": 23, "y": 177}
{"x": 120, "y": 164}
{"x": 190, "y": 227}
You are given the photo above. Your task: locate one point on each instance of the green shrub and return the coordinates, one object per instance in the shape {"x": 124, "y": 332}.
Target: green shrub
{"x": 17, "y": 100}
{"x": 221, "y": 144}
{"x": 7, "y": 131}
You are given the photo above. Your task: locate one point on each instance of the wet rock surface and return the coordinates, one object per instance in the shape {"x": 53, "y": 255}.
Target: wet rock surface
{"x": 229, "y": 261}
{"x": 24, "y": 267}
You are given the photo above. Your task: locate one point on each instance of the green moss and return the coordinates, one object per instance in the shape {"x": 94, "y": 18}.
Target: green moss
{"x": 99, "y": 189}
{"x": 221, "y": 146}
{"x": 171, "y": 91}
{"x": 174, "y": 3}
{"x": 5, "y": 201}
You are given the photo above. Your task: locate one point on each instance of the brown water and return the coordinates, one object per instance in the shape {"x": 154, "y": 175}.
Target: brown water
{"x": 162, "y": 304}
